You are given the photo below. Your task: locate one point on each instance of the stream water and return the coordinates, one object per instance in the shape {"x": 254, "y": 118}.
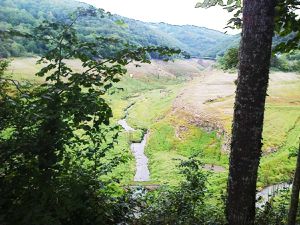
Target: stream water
{"x": 142, "y": 172}
{"x": 269, "y": 192}
{"x": 125, "y": 125}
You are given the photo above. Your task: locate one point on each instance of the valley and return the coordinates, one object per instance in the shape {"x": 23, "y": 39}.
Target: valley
{"x": 186, "y": 107}
{"x": 149, "y": 113}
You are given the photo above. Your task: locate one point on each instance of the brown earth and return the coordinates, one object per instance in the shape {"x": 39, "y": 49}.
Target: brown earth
{"x": 209, "y": 98}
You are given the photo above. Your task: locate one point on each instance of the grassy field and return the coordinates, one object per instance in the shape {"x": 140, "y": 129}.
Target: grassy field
{"x": 155, "y": 96}
{"x": 151, "y": 91}
{"x": 213, "y": 96}
{"x": 281, "y": 133}
{"x": 174, "y": 138}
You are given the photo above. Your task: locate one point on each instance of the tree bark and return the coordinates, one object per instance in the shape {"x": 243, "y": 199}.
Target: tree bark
{"x": 295, "y": 193}
{"x": 50, "y": 141}
{"x": 246, "y": 143}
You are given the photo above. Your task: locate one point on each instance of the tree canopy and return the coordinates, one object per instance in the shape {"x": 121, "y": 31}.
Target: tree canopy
{"x": 56, "y": 141}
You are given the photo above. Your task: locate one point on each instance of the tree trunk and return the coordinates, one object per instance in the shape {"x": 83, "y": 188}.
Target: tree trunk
{"x": 295, "y": 193}
{"x": 50, "y": 141}
{"x": 246, "y": 143}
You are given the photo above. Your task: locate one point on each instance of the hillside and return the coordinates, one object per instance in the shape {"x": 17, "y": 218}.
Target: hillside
{"x": 198, "y": 41}
{"x": 26, "y": 14}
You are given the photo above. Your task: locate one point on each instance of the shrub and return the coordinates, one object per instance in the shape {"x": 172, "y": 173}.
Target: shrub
{"x": 230, "y": 59}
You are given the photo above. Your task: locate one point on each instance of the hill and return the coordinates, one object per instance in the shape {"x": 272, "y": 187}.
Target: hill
{"x": 26, "y": 14}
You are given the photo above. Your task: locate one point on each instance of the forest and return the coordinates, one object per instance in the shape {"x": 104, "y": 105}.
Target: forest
{"x": 110, "y": 120}
{"x": 26, "y": 14}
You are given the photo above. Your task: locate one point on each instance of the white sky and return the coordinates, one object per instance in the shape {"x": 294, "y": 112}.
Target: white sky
{"x": 178, "y": 12}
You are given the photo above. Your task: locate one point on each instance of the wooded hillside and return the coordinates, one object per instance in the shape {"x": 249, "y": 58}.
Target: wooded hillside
{"x": 23, "y": 15}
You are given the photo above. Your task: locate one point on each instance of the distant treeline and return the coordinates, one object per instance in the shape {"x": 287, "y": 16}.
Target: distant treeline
{"x": 24, "y": 15}
{"x": 287, "y": 62}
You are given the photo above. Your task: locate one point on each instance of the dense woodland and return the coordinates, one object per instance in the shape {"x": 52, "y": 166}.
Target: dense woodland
{"x": 24, "y": 15}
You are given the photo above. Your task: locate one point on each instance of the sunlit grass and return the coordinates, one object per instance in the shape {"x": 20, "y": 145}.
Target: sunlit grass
{"x": 166, "y": 144}
{"x": 172, "y": 136}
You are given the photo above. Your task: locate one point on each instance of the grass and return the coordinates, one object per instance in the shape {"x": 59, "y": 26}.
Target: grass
{"x": 151, "y": 109}
{"x": 157, "y": 95}
{"x": 126, "y": 170}
{"x": 281, "y": 130}
{"x": 136, "y": 136}
{"x": 282, "y": 112}
{"x": 279, "y": 166}
{"x": 173, "y": 137}
{"x": 281, "y": 133}
{"x": 24, "y": 69}
{"x": 165, "y": 145}
{"x": 152, "y": 106}
{"x": 275, "y": 133}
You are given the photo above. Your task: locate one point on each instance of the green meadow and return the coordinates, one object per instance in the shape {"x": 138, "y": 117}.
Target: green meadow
{"x": 147, "y": 103}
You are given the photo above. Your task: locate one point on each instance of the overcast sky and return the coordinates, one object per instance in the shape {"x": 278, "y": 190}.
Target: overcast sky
{"x": 179, "y": 12}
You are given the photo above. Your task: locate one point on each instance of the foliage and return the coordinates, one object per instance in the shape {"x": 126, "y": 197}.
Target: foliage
{"x": 287, "y": 24}
{"x": 232, "y": 6}
{"x": 287, "y": 21}
{"x": 186, "y": 204}
{"x": 3, "y": 66}
{"x": 288, "y": 62}
{"x": 56, "y": 144}
{"x": 274, "y": 211}
{"x": 229, "y": 60}
{"x": 167, "y": 142}
{"x": 201, "y": 42}
{"x": 191, "y": 202}
{"x": 24, "y": 15}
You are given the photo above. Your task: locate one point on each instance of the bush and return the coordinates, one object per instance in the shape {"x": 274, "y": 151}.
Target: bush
{"x": 286, "y": 62}
{"x": 56, "y": 144}
{"x": 275, "y": 211}
{"x": 187, "y": 204}
{"x": 230, "y": 59}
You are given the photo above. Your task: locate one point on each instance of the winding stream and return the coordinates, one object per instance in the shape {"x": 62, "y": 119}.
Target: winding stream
{"x": 142, "y": 172}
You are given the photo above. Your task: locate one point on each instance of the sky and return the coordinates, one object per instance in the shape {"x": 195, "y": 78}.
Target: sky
{"x": 177, "y": 12}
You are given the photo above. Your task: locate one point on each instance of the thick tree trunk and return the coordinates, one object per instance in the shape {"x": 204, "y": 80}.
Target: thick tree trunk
{"x": 254, "y": 55}
{"x": 295, "y": 193}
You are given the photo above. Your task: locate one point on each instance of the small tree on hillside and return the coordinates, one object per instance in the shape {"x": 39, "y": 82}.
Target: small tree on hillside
{"x": 229, "y": 60}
